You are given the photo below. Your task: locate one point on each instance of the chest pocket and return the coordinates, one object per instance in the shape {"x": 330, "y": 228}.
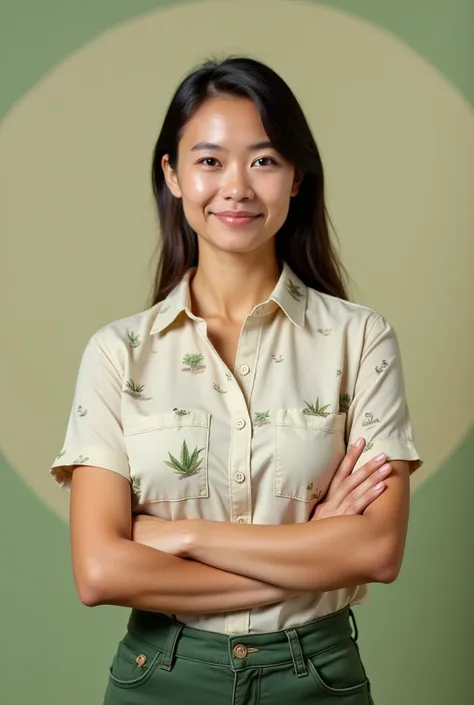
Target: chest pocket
{"x": 168, "y": 455}
{"x": 308, "y": 451}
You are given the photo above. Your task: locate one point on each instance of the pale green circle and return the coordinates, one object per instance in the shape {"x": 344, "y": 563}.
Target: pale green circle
{"x": 78, "y": 225}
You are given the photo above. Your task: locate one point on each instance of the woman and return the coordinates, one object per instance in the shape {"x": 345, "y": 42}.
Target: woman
{"x": 213, "y": 438}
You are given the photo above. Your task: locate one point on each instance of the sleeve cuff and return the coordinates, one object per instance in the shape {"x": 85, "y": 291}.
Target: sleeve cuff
{"x": 394, "y": 450}
{"x": 64, "y": 464}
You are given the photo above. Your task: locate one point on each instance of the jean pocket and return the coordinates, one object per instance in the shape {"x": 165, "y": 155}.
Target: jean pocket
{"x": 134, "y": 663}
{"x": 339, "y": 672}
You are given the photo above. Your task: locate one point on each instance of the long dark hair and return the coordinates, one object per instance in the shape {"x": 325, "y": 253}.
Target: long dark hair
{"x": 303, "y": 241}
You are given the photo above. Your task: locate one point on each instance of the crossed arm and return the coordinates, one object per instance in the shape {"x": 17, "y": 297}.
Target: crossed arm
{"x": 200, "y": 567}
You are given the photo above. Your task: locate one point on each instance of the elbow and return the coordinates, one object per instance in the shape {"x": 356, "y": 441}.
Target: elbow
{"x": 90, "y": 585}
{"x": 387, "y": 567}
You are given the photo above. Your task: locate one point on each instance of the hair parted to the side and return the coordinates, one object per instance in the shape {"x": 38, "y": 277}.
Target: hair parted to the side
{"x": 304, "y": 241}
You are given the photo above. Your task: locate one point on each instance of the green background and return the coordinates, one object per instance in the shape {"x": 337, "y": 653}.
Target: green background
{"x": 415, "y": 633}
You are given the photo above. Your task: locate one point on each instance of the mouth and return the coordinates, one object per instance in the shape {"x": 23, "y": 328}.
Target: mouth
{"x": 237, "y": 218}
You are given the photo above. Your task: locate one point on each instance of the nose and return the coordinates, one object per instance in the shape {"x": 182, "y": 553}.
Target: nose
{"x": 236, "y": 185}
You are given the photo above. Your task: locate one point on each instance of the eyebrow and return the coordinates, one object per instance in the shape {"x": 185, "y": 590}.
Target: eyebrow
{"x": 210, "y": 146}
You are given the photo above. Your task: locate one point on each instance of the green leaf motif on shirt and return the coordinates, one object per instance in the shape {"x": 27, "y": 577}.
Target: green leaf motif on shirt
{"x": 380, "y": 368}
{"x": 80, "y": 460}
{"x": 136, "y": 486}
{"x": 294, "y": 290}
{"x": 135, "y": 390}
{"x": 370, "y": 420}
{"x": 316, "y": 409}
{"x": 60, "y": 455}
{"x": 188, "y": 464}
{"x": 229, "y": 376}
{"x": 261, "y": 418}
{"x": 344, "y": 403}
{"x": 193, "y": 363}
{"x": 325, "y": 331}
{"x": 133, "y": 340}
{"x": 180, "y": 412}
{"x": 218, "y": 389}
{"x": 369, "y": 446}
{"x": 338, "y": 373}
{"x": 277, "y": 359}
{"x": 317, "y": 492}
{"x": 81, "y": 411}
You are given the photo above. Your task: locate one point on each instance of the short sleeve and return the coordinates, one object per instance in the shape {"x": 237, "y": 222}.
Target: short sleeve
{"x": 94, "y": 433}
{"x": 378, "y": 410}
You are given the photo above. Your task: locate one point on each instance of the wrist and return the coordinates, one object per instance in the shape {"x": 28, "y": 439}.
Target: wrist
{"x": 191, "y": 537}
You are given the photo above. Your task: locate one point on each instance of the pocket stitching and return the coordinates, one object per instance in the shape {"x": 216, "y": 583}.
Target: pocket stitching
{"x": 333, "y": 691}
{"x": 135, "y": 682}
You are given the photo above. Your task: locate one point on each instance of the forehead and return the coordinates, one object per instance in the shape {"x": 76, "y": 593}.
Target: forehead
{"x": 228, "y": 119}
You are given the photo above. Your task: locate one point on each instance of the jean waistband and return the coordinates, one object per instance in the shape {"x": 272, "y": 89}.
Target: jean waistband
{"x": 173, "y": 639}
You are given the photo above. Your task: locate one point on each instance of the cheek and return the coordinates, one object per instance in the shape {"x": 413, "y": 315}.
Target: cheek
{"x": 276, "y": 194}
{"x": 197, "y": 187}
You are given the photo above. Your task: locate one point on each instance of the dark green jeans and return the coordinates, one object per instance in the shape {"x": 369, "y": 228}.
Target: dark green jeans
{"x": 162, "y": 662}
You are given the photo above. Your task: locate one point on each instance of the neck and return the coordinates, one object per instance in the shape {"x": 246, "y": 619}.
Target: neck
{"x": 229, "y": 286}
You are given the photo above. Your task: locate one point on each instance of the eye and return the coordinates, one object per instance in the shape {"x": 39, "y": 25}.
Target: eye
{"x": 265, "y": 161}
{"x": 209, "y": 161}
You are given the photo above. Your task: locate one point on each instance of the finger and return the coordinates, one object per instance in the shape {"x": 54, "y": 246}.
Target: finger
{"x": 374, "y": 478}
{"x": 347, "y": 465}
{"x": 355, "y": 479}
{"x": 359, "y": 505}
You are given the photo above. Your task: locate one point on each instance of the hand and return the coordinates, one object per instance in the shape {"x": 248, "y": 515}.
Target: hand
{"x": 351, "y": 492}
{"x": 172, "y": 537}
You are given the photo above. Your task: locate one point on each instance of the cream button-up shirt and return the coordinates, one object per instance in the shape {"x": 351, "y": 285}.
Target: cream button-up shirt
{"x": 258, "y": 444}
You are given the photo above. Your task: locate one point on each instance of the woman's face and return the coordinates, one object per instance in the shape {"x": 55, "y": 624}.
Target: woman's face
{"x": 234, "y": 186}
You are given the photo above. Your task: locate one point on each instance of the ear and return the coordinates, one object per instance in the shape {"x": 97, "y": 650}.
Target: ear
{"x": 297, "y": 181}
{"x": 171, "y": 177}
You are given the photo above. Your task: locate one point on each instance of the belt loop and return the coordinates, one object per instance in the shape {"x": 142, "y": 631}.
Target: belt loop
{"x": 296, "y": 652}
{"x": 170, "y": 647}
{"x": 354, "y": 625}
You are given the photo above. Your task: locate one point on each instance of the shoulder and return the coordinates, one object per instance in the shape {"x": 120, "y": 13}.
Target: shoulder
{"x": 118, "y": 338}
{"x": 341, "y": 312}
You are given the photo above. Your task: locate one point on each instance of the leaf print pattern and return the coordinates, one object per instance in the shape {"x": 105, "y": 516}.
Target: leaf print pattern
{"x": 187, "y": 465}
{"x": 136, "y": 486}
{"x": 277, "y": 359}
{"x": 370, "y": 420}
{"x": 344, "y": 403}
{"x": 180, "y": 412}
{"x": 369, "y": 446}
{"x": 80, "y": 460}
{"x": 315, "y": 409}
{"x": 380, "y": 368}
{"x": 294, "y": 290}
{"x": 81, "y": 411}
{"x": 218, "y": 389}
{"x": 60, "y": 455}
{"x": 229, "y": 376}
{"x": 338, "y": 373}
{"x": 316, "y": 494}
{"x": 261, "y": 418}
{"x": 135, "y": 390}
{"x": 133, "y": 340}
{"x": 193, "y": 363}
{"x": 325, "y": 331}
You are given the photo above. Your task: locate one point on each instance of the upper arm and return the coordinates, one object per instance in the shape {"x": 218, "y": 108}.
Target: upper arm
{"x": 93, "y": 464}
{"x": 378, "y": 410}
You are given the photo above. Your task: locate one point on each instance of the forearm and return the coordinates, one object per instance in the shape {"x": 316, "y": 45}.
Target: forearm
{"x": 133, "y": 575}
{"x": 319, "y": 555}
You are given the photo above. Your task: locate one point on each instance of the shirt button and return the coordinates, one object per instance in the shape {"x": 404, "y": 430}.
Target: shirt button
{"x": 244, "y": 370}
{"x": 241, "y": 520}
{"x": 239, "y": 476}
{"x": 240, "y": 424}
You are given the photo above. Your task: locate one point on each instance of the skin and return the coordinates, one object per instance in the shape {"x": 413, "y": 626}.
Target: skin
{"x": 357, "y": 534}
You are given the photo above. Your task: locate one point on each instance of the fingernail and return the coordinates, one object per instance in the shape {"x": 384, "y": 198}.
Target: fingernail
{"x": 385, "y": 468}
{"x": 359, "y": 442}
{"x": 379, "y": 458}
{"x": 380, "y": 486}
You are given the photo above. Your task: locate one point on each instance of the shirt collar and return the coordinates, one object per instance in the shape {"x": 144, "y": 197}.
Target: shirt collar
{"x": 289, "y": 294}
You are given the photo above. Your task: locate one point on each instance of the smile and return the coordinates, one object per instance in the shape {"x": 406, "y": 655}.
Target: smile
{"x": 236, "y": 219}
